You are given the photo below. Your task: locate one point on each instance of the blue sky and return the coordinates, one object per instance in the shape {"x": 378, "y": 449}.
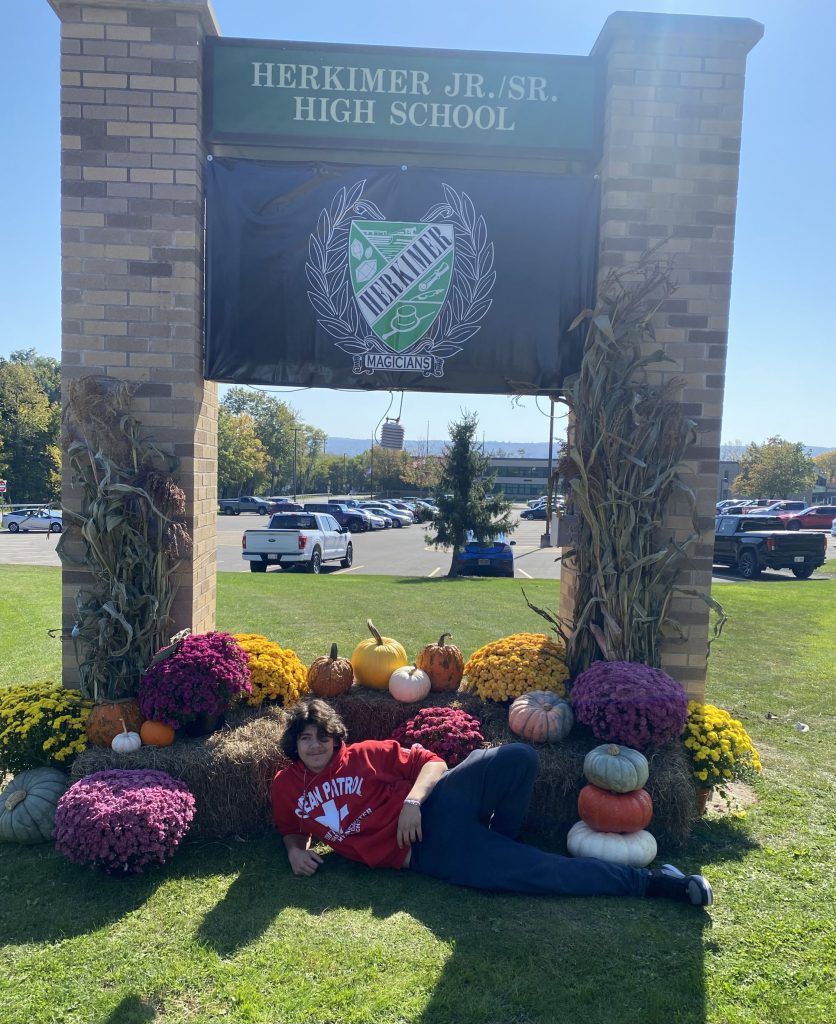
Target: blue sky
{"x": 781, "y": 343}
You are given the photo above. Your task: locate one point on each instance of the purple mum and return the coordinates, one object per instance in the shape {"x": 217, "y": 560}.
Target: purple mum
{"x": 625, "y": 702}
{"x": 207, "y": 673}
{"x": 121, "y": 820}
{"x": 450, "y": 733}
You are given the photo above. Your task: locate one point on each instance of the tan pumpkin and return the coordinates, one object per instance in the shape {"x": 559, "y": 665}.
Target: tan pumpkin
{"x": 443, "y": 663}
{"x": 541, "y": 717}
{"x": 330, "y": 676}
{"x": 105, "y": 720}
{"x": 636, "y": 849}
{"x": 374, "y": 660}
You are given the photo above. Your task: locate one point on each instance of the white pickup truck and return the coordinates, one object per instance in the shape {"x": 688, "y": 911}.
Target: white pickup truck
{"x": 303, "y": 539}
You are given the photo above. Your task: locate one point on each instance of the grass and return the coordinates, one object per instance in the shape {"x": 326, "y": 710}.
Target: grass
{"x": 225, "y": 932}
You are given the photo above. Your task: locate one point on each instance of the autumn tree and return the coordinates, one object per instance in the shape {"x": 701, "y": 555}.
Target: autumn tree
{"x": 470, "y": 507}
{"x": 274, "y": 423}
{"x": 241, "y": 455}
{"x": 826, "y": 465}
{"x": 423, "y": 472}
{"x": 775, "y": 469}
{"x": 30, "y": 424}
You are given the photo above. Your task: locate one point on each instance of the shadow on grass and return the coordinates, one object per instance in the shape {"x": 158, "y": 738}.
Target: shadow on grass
{"x": 132, "y": 1010}
{"x": 46, "y": 899}
{"x": 513, "y": 959}
{"x": 716, "y": 840}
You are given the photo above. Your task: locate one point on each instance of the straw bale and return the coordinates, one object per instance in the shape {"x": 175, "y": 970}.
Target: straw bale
{"x": 230, "y": 771}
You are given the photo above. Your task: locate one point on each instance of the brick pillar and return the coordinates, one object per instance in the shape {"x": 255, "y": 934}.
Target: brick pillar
{"x": 132, "y": 160}
{"x": 669, "y": 168}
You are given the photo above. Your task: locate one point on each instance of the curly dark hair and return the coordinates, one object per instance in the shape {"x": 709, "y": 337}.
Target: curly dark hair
{"x": 312, "y": 712}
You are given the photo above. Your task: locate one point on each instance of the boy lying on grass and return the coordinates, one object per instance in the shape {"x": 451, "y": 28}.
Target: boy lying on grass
{"x": 384, "y": 806}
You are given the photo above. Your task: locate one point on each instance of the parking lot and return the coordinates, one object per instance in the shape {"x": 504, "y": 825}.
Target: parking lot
{"x": 392, "y": 552}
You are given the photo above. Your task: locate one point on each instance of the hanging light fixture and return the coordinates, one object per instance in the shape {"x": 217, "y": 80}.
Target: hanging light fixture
{"x": 392, "y": 433}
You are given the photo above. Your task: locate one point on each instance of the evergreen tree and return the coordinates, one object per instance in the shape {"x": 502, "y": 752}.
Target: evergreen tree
{"x": 465, "y": 502}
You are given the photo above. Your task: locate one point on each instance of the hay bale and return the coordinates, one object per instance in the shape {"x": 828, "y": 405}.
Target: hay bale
{"x": 229, "y": 772}
{"x": 373, "y": 715}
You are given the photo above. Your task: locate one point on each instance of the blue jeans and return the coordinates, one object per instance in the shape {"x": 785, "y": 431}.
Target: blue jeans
{"x": 470, "y": 824}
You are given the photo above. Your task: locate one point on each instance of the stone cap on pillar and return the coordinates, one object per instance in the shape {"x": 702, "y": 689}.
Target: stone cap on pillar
{"x": 203, "y": 8}
{"x": 740, "y": 34}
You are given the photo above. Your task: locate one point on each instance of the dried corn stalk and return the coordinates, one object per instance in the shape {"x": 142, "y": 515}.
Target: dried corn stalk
{"x": 130, "y": 535}
{"x": 622, "y": 467}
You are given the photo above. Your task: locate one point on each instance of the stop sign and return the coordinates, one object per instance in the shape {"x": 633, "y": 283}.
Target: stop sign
{"x": 2, "y": 486}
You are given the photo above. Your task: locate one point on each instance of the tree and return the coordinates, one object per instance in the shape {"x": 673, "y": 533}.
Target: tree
{"x": 47, "y": 371}
{"x": 423, "y": 472}
{"x": 30, "y": 425}
{"x": 470, "y": 505}
{"x": 826, "y": 464}
{"x": 274, "y": 423}
{"x": 241, "y": 456}
{"x": 776, "y": 469}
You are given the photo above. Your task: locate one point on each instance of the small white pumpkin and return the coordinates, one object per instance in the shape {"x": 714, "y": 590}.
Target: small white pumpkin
{"x": 409, "y": 684}
{"x": 635, "y": 849}
{"x": 125, "y": 742}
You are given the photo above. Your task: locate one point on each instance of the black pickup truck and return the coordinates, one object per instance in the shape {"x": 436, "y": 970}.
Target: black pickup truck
{"x": 752, "y": 543}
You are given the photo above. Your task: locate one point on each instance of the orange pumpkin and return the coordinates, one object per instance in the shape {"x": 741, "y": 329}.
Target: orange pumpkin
{"x": 330, "y": 676}
{"x": 443, "y": 663}
{"x": 105, "y": 720}
{"x": 615, "y": 812}
{"x": 156, "y": 734}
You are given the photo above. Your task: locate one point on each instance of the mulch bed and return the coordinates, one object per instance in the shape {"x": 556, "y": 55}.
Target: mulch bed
{"x": 230, "y": 771}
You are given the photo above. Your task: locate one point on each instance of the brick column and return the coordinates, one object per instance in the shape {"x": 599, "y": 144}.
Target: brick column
{"x": 132, "y": 161}
{"x": 672, "y": 126}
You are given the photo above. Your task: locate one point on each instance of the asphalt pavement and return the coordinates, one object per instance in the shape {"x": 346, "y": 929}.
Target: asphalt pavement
{"x": 393, "y": 552}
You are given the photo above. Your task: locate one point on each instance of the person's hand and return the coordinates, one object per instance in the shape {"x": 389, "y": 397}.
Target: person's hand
{"x": 304, "y": 862}
{"x": 409, "y": 825}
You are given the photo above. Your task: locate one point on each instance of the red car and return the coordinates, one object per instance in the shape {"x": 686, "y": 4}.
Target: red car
{"x": 817, "y": 517}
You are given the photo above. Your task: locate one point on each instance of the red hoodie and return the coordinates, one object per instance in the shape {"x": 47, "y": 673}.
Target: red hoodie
{"x": 354, "y": 803}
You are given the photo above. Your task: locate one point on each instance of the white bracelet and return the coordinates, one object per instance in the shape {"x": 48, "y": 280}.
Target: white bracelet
{"x": 412, "y": 803}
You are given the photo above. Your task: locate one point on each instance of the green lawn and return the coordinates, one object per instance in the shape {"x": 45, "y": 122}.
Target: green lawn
{"x": 226, "y": 933}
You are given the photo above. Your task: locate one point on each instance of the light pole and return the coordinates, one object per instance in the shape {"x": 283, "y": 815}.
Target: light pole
{"x": 371, "y": 469}
{"x": 345, "y": 473}
{"x": 295, "y": 436}
{"x": 549, "y": 486}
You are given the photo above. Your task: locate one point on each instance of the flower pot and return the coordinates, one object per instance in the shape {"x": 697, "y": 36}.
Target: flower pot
{"x": 704, "y": 794}
{"x": 105, "y": 720}
{"x": 202, "y": 724}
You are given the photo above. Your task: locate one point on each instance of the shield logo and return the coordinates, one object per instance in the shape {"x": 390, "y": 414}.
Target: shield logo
{"x": 401, "y": 274}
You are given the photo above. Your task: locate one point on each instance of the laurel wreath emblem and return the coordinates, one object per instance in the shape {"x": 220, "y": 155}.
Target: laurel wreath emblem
{"x": 332, "y": 297}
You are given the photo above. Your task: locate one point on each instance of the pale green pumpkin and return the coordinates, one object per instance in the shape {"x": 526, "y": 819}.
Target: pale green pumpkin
{"x": 27, "y": 805}
{"x": 616, "y": 768}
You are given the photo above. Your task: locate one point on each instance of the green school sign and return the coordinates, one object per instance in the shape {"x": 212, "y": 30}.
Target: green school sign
{"x": 325, "y": 95}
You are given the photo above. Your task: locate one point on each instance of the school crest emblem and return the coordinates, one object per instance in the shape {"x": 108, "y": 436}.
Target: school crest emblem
{"x": 400, "y": 295}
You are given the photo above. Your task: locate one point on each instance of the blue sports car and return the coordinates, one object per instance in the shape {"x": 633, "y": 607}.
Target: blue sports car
{"x": 493, "y": 558}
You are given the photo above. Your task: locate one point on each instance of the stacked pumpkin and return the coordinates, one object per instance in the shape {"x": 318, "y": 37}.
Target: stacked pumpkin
{"x": 615, "y": 808}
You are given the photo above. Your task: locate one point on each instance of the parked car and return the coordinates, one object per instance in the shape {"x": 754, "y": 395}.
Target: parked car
{"x": 378, "y": 510}
{"x": 816, "y": 517}
{"x": 282, "y": 504}
{"x": 750, "y": 544}
{"x": 246, "y": 503}
{"x": 44, "y": 520}
{"x": 493, "y": 558}
{"x": 301, "y": 540}
{"x": 537, "y": 512}
{"x": 778, "y": 506}
{"x": 537, "y": 501}
{"x": 354, "y": 518}
{"x": 395, "y": 516}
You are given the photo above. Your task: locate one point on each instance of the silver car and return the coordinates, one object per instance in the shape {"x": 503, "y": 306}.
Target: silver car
{"x": 397, "y": 517}
{"x": 44, "y": 520}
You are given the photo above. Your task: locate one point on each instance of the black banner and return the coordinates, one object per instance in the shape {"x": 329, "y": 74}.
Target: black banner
{"x": 373, "y": 277}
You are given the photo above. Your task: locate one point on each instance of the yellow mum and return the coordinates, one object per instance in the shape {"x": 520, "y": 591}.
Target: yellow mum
{"x": 276, "y": 673}
{"x": 506, "y": 668}
{"x": 712, "y": 735}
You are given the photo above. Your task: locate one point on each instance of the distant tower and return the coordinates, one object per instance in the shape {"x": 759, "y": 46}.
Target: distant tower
{"x": 391, "y": 435}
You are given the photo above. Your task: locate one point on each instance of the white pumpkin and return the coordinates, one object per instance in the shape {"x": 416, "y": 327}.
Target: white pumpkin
{"x": 635, "y": 849}
{"x": 409, "y": 684}
{"x": 125, "y": 742}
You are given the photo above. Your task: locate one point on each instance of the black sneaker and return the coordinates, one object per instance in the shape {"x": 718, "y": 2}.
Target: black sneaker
{"x": 670, "y": 883}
